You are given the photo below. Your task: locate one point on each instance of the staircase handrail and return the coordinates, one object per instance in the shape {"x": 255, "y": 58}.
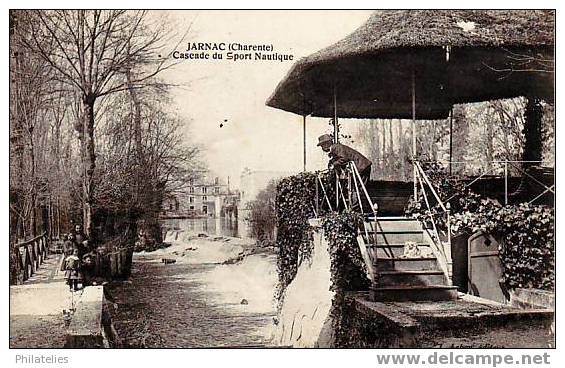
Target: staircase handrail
{"x": 356, "y": 174}
{"x": 432, "y": 189}
{"x": 445, "y": 249}
{"x": 319, "y": 180}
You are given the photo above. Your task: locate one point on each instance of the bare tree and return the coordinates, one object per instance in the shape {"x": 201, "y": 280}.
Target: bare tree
{"x": 137, "y": 170}
{"x": 31, "y": 81}
{"x": 91, "y": 50}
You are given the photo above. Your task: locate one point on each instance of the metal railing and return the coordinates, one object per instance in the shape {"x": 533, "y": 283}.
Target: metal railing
{"x": 350, "y": 196}
{"x": 443, "y": 248}
{"x": 503, "y": 168}
{"x": 353, "y": 196}
{"x": 320, "y": 184}
{"x": 441, "y": 208}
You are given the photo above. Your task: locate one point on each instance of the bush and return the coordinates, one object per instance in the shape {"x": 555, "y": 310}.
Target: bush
{"x": 262, "y": 216}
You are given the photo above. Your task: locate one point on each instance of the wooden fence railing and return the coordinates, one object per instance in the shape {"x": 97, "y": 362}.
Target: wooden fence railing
{"x": 26, "y": 257}
{"x": 113, "y": 263}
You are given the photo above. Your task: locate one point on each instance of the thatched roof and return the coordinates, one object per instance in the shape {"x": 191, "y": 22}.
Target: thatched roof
{"x": 372, "y": 67}
{"x": 457, "y": 28}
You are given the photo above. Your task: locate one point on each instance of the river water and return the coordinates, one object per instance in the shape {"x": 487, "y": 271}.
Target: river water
{"x": 196, "y": 301}
{"x": 210, "y": 226}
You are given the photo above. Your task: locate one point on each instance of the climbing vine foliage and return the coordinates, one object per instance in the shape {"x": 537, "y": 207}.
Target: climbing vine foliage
{"x": 347, "y": 268}
{"x": 525, "y": 231}
{"x": 527, "y": 248}
{"x": 295, "y": 205}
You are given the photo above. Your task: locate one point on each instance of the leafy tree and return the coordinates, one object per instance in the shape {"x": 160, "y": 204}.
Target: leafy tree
{"x": 262, "y": 216}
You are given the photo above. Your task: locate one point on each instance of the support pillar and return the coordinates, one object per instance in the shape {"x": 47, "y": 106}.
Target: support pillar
{"x": 414, "y": 132}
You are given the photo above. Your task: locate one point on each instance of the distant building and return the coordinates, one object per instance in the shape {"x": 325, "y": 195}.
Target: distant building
{"x": 202, "y": 198}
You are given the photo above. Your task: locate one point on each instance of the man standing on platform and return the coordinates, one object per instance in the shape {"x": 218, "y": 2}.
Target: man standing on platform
{"x": 340, "y": 155}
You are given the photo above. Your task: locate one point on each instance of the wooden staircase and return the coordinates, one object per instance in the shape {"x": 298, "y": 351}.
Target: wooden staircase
{"x": 400, "y": 277}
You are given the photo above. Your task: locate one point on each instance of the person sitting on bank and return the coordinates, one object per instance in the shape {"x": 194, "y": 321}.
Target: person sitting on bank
{"x": 340, "y": 155}
{"x": 73, "y": 272}
{"x": 81, "y": 241}
{"x": 79, "y": 234}
{"x": 87, "y": 268}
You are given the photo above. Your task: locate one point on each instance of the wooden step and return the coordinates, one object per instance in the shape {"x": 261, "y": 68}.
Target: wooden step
{"x": 396, "y": 237}
{"x": 414, "y": 293}
{"x": 394, "y": 224}
{"x": 415, "y": 231}
{"x": 406, "y": 264}
{"x": 395, "y": 218}
{"x": 408, "y": 278}
{"x": 384, "y": 250}
{"x": 371, "y": 217}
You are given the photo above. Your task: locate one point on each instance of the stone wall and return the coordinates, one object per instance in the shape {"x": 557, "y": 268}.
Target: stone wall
{"x": 91, "y": 325}
{"x": 304, "y": 319}
{"x": 468, "y": 322}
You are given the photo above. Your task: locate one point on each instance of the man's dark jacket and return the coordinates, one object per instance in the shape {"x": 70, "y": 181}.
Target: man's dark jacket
{"x": 341, "y": 154}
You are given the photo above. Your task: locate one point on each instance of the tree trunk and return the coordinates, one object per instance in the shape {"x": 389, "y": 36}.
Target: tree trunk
{"x": 505, "y": 125}
{"x": 384, "y": 167}
{"x": 136, "y": 117}
{"x": 401, "y": 150}
{"x": 146, "y": 192}
{"x": 141, "y": 184}
{"x": 390, "y": 138}
{"x": 460, "y": 138}
{"x": 489, "y": 151}
{"x": 32, "y": 179}
{"x": 58, "y": 208}
{"x": 533, "y": 147}
{"x": 434, "y": 140}
{"x": 90, "y": 164}
{"x": 375, "y": 144}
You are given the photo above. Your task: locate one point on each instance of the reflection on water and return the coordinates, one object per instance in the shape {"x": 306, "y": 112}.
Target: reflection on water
{"x": 209, "y": 226}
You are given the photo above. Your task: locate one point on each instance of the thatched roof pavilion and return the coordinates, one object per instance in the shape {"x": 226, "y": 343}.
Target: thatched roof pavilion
{"x": 457, "y": 56}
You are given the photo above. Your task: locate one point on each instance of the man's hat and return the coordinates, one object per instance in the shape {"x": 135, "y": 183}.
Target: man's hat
{"x": 324, "y": 138}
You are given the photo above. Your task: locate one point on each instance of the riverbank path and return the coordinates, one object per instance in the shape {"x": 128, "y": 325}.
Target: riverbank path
{"x": 36, "y": 307}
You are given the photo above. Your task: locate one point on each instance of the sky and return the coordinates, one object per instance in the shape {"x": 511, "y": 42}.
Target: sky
{"x": 212, "y": 91}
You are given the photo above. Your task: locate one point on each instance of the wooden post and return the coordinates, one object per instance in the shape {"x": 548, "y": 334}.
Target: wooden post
{"x": 336, "y": 140}
{"x": 36, "y": 253}
{"x": 336, "y": 124}
{"x": 414, "y": 132}
{"x": 447, "y": 249}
